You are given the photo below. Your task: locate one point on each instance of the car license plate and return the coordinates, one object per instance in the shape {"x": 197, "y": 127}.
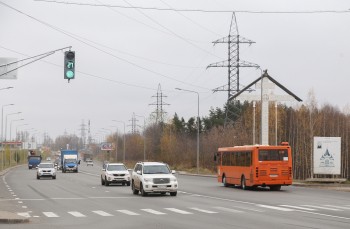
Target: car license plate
{"x": 273, "y": 175}
{"x": 161, "y": 186}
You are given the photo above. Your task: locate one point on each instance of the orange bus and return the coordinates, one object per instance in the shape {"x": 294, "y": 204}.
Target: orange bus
{"x": 255, "y": 165}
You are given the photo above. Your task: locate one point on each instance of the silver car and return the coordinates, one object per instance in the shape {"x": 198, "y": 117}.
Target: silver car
{"x": 46, "y": 170}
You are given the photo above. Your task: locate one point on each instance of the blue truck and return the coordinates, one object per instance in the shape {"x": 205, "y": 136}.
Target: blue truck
{"x": 69, "y": 160}
{"x": 33, "y": 161}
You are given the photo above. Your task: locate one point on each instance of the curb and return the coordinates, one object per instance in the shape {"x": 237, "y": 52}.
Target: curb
{"x": 11, "y": 218}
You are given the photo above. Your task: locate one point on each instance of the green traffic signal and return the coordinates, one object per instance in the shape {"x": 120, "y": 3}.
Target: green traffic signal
{"x": 69, "y": 74}
{"x": 69, "y": 65}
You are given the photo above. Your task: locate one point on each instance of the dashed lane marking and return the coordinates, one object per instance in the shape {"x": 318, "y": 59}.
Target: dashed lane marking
{"x": 102, "y": 213}
{"x": 275, "y": 208}
{"x": 127, "y": 212}
{"x": 153, "y": 211}
{"x": 228, "y": 209}
{"x": 324, "y": 208}
{"x": 178, "y": 211}
{"x": 300, "y": 208}
{"x": 50, "y": 214}
{"x": 202, "y": 210}
{"x": 77, "y": 214}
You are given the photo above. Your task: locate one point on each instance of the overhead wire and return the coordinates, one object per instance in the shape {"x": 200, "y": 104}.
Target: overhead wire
{"x": 101, "y": 50}
{"x": 198, "y": 10}
{"x": 85, "y": 73}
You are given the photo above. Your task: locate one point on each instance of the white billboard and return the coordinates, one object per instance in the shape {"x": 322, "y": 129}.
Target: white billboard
{"x": 327, "y": 155}
{"x": 29, "y": 145}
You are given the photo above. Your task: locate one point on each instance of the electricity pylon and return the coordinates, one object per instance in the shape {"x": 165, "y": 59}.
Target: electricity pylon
{"x": 233, "y": 65}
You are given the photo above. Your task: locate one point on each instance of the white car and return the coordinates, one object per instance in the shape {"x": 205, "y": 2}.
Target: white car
{"x": 89, "y": 162}
{"x": 115, "y": 173}
{"x": 153, "y": 177}
{"x": 46, "y": 170}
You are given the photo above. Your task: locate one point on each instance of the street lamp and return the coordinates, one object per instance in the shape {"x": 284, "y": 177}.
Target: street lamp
{"x": 6, "y": 122}
{"x": 16, "y": 120}
{"x": 19, "y": 126}
{"x": 123, "y": 139}
{"x": 180, "y": 89}
{"x": 144, "y": 136}
{"x": 2, "y": 118}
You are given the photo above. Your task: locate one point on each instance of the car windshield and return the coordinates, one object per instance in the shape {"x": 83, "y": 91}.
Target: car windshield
{"x": 45, "y": 165}
{"x": 116, "y": 168}
{"x": 155, "y": 169}
{"x": 70, "y": 160}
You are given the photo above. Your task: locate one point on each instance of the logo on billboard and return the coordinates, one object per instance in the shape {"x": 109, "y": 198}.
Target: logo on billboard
{"x": 107, "y": 146}
{"x": 327, "y": 159}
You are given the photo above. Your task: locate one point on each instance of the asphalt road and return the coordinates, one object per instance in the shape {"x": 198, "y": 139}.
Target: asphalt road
{"x": 78, "y": 200}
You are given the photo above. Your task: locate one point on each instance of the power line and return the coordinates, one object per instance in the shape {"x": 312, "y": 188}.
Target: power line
{"x": 108, "y": 53}
{"x": 198, "y": 10}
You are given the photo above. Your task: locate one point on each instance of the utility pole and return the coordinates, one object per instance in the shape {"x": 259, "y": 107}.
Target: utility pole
{"x": 159, "y": 105}
{"x": 233, "y": 64}
{"x": 83, "y": 133}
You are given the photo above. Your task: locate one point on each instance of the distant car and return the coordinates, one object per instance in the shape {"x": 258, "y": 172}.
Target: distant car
{"x": 89, "y": 162}
{"x": 115, "y": 173}
{"x": 153, "y": 177}
{"x": 46, "y": 170}
{"x": 48, "y": 158}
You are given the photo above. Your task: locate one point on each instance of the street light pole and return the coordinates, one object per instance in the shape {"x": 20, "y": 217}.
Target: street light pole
{"x": 123, "y": 139}
{"x": 144, "y": 136}
{"x": 2, "y": 119}
{"x": 11, "y": 126}
{"x": 180, "y": 89}
{"x": 6, "y": 122}
{"x": 19, "y": 126}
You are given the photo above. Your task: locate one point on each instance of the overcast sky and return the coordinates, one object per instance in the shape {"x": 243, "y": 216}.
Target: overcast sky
{"x": 123, "y": 54}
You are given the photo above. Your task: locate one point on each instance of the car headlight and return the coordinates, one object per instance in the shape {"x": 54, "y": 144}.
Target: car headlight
{"x": 147, "y": 179}
{"x": 173, "y": 179}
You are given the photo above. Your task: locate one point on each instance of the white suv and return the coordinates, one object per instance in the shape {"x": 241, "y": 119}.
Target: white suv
{"x": 115, "y": 173}
{"x": 156, "y": 177}
{"x": 46, "y": 170}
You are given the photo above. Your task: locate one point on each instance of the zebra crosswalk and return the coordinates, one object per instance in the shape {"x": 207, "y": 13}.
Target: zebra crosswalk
{"x": 190, "y": 210}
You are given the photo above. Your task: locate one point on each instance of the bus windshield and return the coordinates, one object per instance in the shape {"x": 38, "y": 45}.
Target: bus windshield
{"x": 273, "y": 155}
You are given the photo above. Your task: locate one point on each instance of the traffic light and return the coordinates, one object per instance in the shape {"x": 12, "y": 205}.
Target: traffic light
{"x": 69, "y": 65}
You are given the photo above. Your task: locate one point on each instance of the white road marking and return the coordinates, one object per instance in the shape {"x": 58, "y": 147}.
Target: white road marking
{"x": 275, "y": 208}
{"x": 77, "y": 214}
{"x": 153, "y": 211}
{"x": 228, "y": 209}
{"x": 20, "y": 202}
{"x": 102, "y": 213}
{"x": 50, "y": 214}
{"x": 319, "y": 207}
{"x": 24, "y": 214}
{"x": 24, "y": 207}
{"x": 178, "y": 211}
{"x": 297, "y": 207}
{"x": 202, "y": 210}
{"x": 341, "y": 207}
{"x": 127, "y": 212}
{"x": 315, "y": 213}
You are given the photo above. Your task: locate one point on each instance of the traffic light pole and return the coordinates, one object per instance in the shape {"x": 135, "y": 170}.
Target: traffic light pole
{"x": 36, "y": 58}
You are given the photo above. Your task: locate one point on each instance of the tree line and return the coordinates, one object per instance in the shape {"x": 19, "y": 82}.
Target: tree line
{"x": 175, "y": 140}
